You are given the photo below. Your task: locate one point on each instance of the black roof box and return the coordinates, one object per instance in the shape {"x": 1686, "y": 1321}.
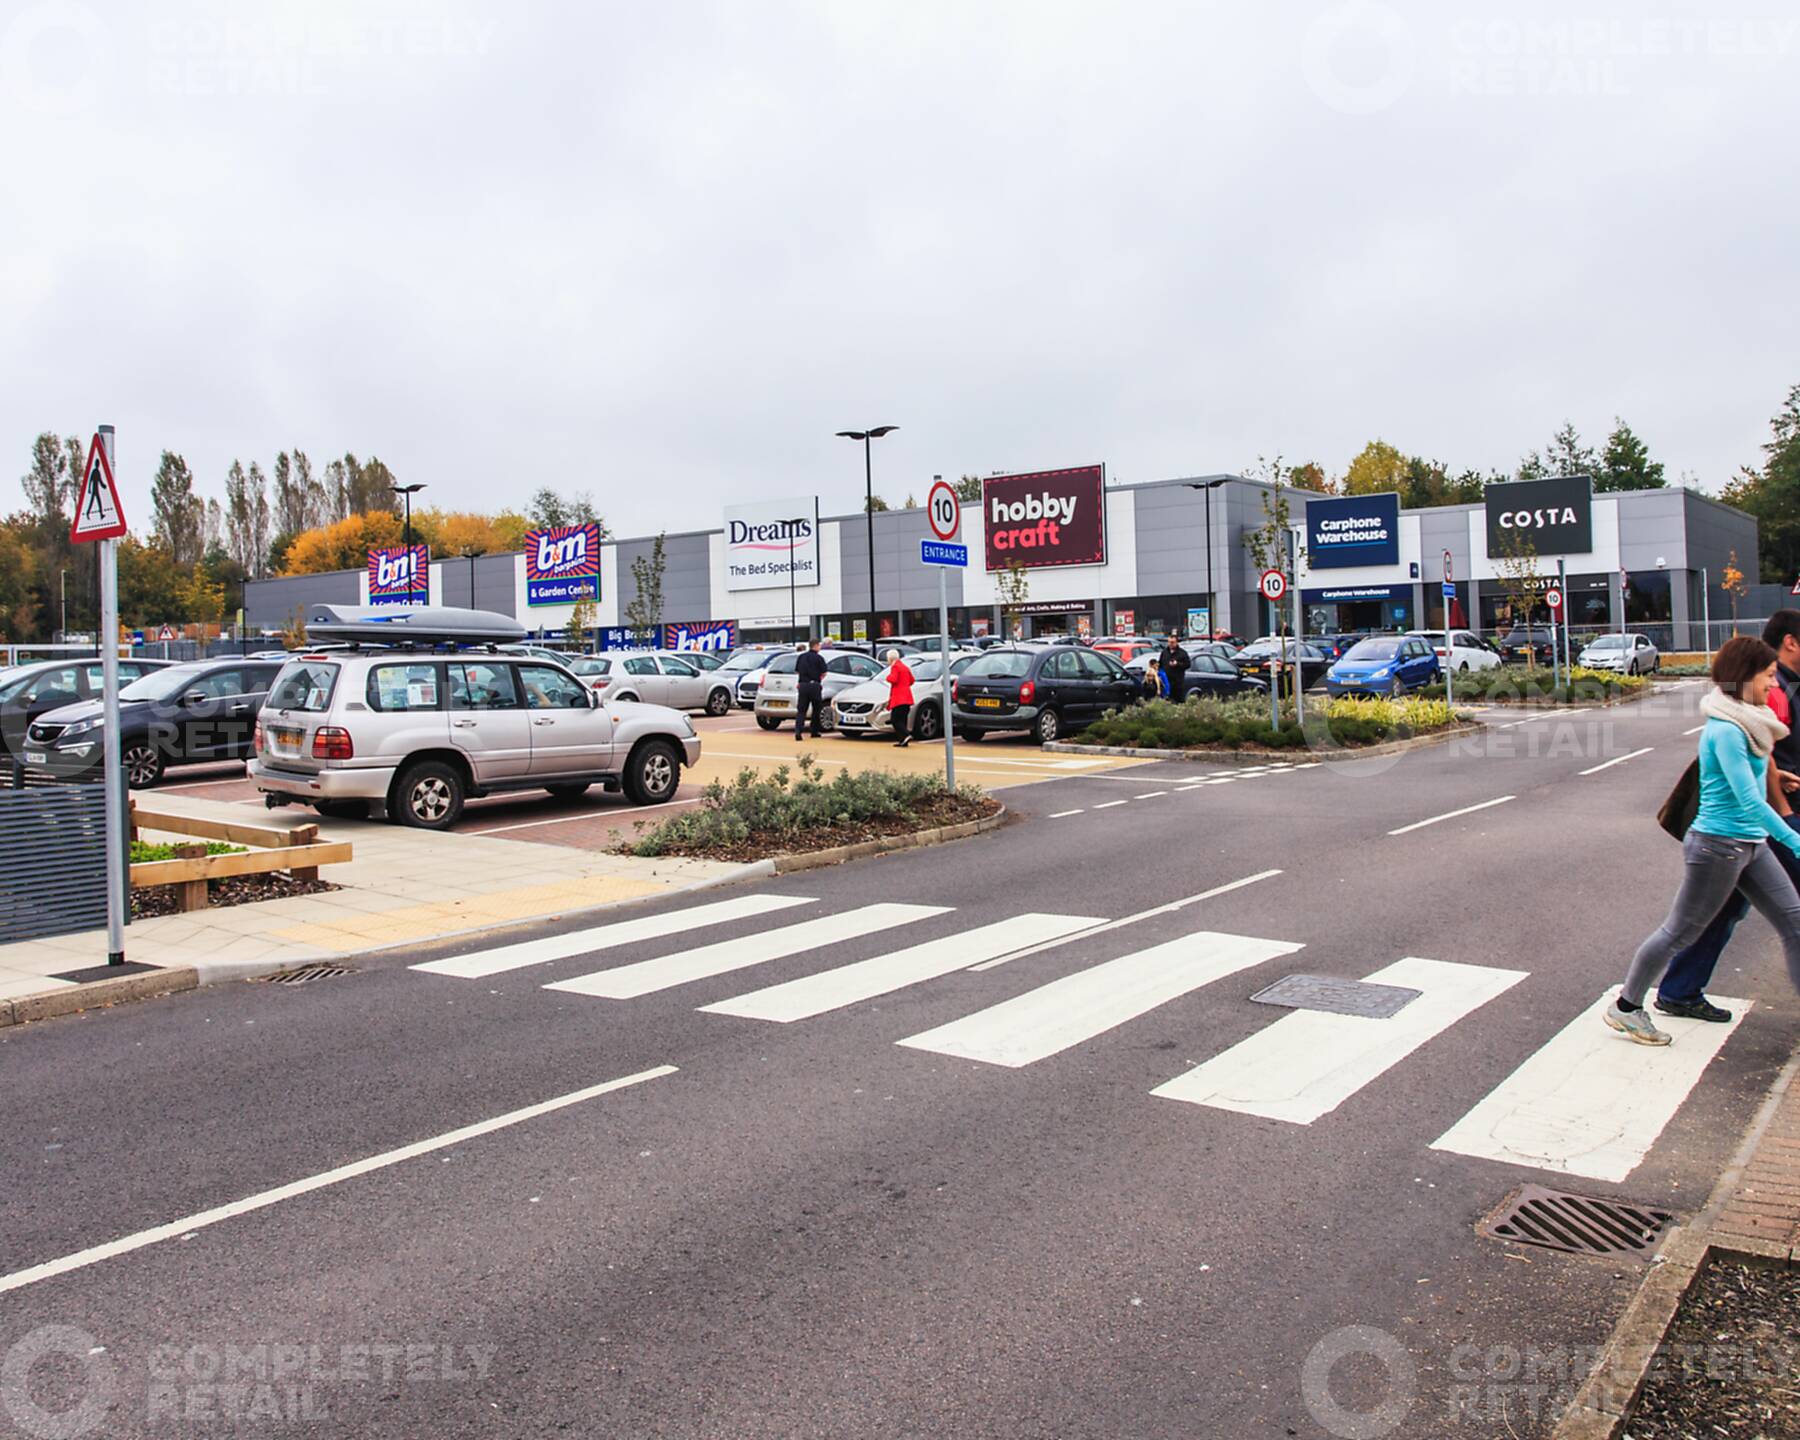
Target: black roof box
{"x": 410, "y": 625}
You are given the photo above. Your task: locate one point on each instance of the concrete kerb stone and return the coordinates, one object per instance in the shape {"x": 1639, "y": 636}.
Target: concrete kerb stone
{"x": 68, "y": 999}
{"x": 837, "y": 855}
{"x": 1202, "y": 756}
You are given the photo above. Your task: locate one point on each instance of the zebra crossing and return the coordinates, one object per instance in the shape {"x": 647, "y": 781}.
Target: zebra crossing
{"x": 1585, "y": 1102}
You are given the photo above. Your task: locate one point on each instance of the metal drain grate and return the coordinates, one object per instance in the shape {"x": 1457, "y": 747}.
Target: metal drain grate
{"x": 305, "y": 973}
{"x": 1579, "y": 1224}
{"x": 1336, "y": 996}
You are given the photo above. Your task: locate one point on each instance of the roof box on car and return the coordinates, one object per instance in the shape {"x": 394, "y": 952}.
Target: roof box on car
{"x": 410, "y": 625}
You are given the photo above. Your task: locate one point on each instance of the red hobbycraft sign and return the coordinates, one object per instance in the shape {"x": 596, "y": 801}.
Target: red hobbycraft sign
{"x": 1052, "y": 517}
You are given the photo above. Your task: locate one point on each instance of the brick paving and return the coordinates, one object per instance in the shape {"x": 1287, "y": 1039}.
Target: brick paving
{"x": 1762, "y": 1213}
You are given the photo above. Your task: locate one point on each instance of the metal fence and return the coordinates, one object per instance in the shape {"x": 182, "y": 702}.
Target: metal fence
{"x": 52, "y": 861}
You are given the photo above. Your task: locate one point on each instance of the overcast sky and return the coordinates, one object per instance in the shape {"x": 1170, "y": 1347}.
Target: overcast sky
{"x": 662, "y": 251}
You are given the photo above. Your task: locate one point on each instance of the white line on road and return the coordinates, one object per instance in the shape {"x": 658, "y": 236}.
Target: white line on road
{"x": 1149, "y": 794}
{"x": 1065, "y": 814}
{"x": 1466, "y": 810}
{"x": 582, "y": 815}
{"x": 263, "y": 1199}
{"x": 1616, "y": 760}
{"x": 1695, "y": 731}
{"x": 1112, "y": 804}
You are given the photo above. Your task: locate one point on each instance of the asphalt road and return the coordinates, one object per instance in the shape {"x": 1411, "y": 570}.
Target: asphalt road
{"x": 806, "y": 1229}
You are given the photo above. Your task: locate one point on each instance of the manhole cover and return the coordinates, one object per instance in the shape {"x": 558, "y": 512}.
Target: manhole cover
{"x": 305, "y": 973}
{"x": 1337, "y": 997}
{"x": 1579, "y": 1224}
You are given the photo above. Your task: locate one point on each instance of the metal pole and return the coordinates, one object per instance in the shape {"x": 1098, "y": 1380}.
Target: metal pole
{"x": 869, "y": 516}
{"x": 1562, "y": 584}
{"x": 1212, "y": 620}
{"x": 113, "y": 771}
{"x": 64, "y": 574}
{"x": 1299, "y": 625}
{"x": 1706, "y": 616}
{"x": 793, "y": 614}
{"x": 944, "y": 679}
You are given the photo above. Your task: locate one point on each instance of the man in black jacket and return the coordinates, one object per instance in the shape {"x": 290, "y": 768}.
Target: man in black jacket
{"x": 1175, "y": 662}
{"x": 809, "y": 669}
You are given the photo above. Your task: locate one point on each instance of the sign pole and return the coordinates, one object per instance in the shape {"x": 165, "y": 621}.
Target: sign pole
{"x": 117, "y": 896}
{"x": 1562, "y": 611}
{"x": 1299, "y": 622}
{"x": 944, "y": 679}
{"x": 1706, "y": 617}
{"x": 1449, "y": 638}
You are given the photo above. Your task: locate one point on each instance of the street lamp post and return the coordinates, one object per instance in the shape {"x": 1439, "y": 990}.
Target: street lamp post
{"x": 793, "y": 528}
{"x": 407, "y": 492}
{"x": 1207, "y": 487}
{"x": 869, "y": 501}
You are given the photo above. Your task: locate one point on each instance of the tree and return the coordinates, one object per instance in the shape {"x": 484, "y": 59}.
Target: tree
{"x": 149, "y": 584}
{"x": 509, "y": 530}
{"x": 644, "y": 613}
{"x": 1378, "y": 466}
{"x": 874, "y": 502}
{"x": 1734, "y": 584}
{"x": 1564, "y": 455}
{"x": 343, "y": 545}
{"x": 201, "y": 597}
{"x": 1270, "y": 544}
{"x": 580, "y": 626}
{"x": 257, "y": 489}
{"x": 20, "y": 573}
{"x": 1014, "y": 587}
{"x": 1312, "y": 476}
{"x": 458, "y": 532}
{"x": 968, "y": 488}
{"x": 318, "y": 505}
{"x": 178, "y": 516}
{"x": 336, "y": 486}
{"x": 1772, "y": 494}
{"x": 549, "y": 510}
{"x": 1522, "y": 580}
{"x": 1625, "y": 464}
{"x": 240, "y": 518}
{"x": 290, "y": 501}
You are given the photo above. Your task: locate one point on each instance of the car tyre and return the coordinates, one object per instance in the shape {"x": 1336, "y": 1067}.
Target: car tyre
{"x": 1395, "y": 688}
{"x": 343, "y": 809}
{"x": 718, "y": 703}
{"x": 569, "y": 789}
{"x": 1047, "y": 727}
{"x": 927, "y": 724}
{"x": 972, "y": 737}
{"x": 653, "y": 773}
{"x": 143, "y": 765}
{"x": 430, "y": 795}
{"x": 768, "y": 722}
{"x": 627, "y": 697}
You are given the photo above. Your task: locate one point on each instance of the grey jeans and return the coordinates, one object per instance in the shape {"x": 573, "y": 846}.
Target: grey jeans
{"x": 1715, "y": 867}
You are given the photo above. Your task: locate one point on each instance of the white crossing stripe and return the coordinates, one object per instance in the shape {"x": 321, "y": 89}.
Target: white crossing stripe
{"x": 1090, "y": 1002}
{"x": 1616, "y": 760}
{"x": 1590, "y": 1102}
{"x": 865, "y": 979}
{"x": 1308, "y": 1063}
{"x": 1451, "y": 815}
{"x": 647, "y": 976}
{"x": 604, "y": 937}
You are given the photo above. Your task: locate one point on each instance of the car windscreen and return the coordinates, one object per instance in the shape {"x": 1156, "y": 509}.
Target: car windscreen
{"x": 783, "y": 664}
{"x": 925, "y": 667}
{"x": 304, "y": 685}
{"x": 1000, "y": 665}
{"x": 745, "y": 660}
{"x": 1604, "y": 642}
{"x": 162, "y": 684}
{"x": 1373, "y": 650}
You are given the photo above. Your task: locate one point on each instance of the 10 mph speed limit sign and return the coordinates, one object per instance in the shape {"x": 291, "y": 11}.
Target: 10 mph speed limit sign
{"x": 1274, "y": 584}
{"x": 944, "y": 510}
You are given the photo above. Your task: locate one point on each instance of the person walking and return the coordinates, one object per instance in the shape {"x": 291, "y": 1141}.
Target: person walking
{"x": 809, "y": 671}
{"x": 1727, "y": 846}
{"x": 1175, "y": 662}
{"x": 1683, "y": 989}
{"x": 900, "y": 697}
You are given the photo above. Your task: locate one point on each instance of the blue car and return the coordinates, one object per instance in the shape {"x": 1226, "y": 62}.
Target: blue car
{"x": 1383, "y": 665}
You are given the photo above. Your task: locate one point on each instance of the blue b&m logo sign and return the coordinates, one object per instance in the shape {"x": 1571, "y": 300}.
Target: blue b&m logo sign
{"x": 562, "y": 564}
{"x": 398, "y": 576}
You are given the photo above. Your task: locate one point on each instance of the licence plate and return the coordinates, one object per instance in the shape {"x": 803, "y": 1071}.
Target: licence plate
{"x": 36, "y": 757}
{"x": 853, "y": 719}
{"x": 284, "y": 739}
{"x": 775, "y": 705}
{"x": 986, "y": 702}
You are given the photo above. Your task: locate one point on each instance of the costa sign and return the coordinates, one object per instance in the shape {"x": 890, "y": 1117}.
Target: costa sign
{"x": 398, "y": 576}
{"x": 1050, "y": 517}
{"x": 762, "y": 542}
{"x": 562, "y": 564}
{"x": 1554, "y": 517}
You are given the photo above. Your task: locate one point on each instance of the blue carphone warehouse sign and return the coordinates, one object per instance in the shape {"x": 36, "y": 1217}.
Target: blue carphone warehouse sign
{"x": 1353, "y": 530}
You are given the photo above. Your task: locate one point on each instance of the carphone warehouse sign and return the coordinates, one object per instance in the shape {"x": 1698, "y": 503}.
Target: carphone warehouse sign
{"x": 1352, "y": 530}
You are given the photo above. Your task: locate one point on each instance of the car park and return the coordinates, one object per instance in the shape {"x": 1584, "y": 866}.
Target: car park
{"x": 1384, "y": 665}
{"x": 1527, "y": 642}
{"x": 1633, "y": 654}
{"x": 862, "y": 709}
{"x": 1260, "y": 657}
{"x": 778, "y": 697}
{"x": 1468, "y": 651}
{"x": 1208, "y": 675}
{"x": 415, "y": 720}
{"x": 187, "y": 714}
{"x": 743, "y": 671}
{"x": 1050, "y": 690}
{"x": 30, "y": 691}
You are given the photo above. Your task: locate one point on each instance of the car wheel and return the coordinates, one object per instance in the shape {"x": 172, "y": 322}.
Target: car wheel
{"x": 1047, "y": 727}
{"x": 653, "y": 773}
{"x": 569, "y": 790}
{"x": 627, "y": 696}
{"x": 718, "y": 703}
{"x": 343, "y": 809}
{"x": 1394, "y": 688}
{"x": 1463, "y": 669}
{"x": 926, "y": 724}
{"x": 768, "y": 722}
{"x": 430, "y": 796}
{"x": 972, "y": 737}
{"x": 143, "y": 765}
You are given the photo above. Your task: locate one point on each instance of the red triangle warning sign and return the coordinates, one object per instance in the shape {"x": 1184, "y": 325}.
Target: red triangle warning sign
{"x": 98, "y": 514}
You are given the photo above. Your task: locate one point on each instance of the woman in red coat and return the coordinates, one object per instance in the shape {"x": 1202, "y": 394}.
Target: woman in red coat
{"x": 900, "y": 697}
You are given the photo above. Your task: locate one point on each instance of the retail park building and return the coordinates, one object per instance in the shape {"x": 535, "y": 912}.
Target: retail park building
{"x": 1106, "y": 559}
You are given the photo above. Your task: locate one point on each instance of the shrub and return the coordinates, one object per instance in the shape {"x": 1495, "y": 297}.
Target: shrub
{"x": 1508, "y": 682}
{"x": 1233, "y": 724}
{"x": 142, "y": 851}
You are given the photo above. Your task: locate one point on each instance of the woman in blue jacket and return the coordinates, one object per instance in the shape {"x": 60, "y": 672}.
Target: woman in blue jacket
{"x": 1728, "y": 844}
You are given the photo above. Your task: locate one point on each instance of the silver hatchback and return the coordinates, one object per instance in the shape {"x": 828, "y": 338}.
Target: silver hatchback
{"x": 778, "y": 698}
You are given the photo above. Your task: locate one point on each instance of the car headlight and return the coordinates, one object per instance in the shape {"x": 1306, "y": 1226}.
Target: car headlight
{"x": 1382, "y": 673}
{"x": 81, "y": 727}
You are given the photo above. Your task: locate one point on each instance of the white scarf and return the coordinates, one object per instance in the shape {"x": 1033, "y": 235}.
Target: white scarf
{"x": 1758, "y": 722}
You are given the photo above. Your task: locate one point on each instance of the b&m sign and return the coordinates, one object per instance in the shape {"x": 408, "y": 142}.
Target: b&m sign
{"x": 701, "y": 635}
{"x": 398, "y": 576}
{"x": 562, "y": 564}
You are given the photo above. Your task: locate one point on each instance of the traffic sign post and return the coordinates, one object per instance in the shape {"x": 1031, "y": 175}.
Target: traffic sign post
{"x": 1559, "y": 627}
{"x": 1449, "y": 638}
{"x": 1273, "y": 586}
{"x": 100, "y": 518}
{"x": 945, "y": 513}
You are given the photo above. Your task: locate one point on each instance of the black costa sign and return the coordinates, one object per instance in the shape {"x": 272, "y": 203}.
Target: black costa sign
{"x": 1550, "y": 517}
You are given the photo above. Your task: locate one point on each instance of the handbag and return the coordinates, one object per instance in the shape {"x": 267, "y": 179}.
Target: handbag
{"x": 1678, "y": 811}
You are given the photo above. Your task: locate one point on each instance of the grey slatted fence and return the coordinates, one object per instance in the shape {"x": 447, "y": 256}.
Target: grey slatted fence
{"x": 52, "y": 861}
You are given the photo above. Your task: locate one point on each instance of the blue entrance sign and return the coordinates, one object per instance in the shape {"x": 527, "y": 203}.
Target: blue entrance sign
{"x": 1449, "y": 591}
{"x": 941, "y": 552}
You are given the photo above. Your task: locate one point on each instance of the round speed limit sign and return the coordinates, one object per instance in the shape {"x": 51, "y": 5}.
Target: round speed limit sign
{"x": 1274, "y": 584}
{"x": 944, "y": 510}
{"x": 1553, "y": 598}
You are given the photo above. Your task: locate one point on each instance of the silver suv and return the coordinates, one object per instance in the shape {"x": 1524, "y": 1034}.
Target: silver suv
{"x": 413, "y": 734}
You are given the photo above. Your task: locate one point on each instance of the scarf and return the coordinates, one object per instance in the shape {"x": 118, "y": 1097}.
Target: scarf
{"x": 1758, "y": 722}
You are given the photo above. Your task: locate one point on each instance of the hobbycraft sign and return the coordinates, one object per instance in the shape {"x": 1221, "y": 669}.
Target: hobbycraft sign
{"x": 398, "y": 576}
{"x": 762, "y": 542}
{"x": 1051, "y": 517}
{"x": 562, "y": 564}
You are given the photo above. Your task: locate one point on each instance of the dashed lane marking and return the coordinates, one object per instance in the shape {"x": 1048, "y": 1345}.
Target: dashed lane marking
{"x": 1616, "y": 760}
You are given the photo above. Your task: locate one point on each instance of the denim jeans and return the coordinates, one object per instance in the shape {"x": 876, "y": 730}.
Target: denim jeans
{"x": 1715, "y": 866}
{"x": 1692, "y": 970}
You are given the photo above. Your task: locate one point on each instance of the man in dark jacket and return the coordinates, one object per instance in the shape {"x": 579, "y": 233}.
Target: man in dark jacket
{"x": 1175, "y": 662}
{"x": 809, "y": 669}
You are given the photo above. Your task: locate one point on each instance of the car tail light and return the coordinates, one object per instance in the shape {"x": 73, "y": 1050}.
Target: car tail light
{"x": 332, "y": 742}
{"x": 1026, "y": 691}
{"x": 256, "y": 738}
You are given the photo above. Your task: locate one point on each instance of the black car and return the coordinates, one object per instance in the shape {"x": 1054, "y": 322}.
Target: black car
{"x": 45, "y": 685}
{"x": 186, "y": 714}
{"x": 1520, "y": 642}
{"x": 1049, "y": 690}
{"x": 1212, "y": 675}
{"x": 1258, "y": 660}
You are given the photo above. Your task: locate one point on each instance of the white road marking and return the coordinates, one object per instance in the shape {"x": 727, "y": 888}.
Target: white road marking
{"x": 1168, "y": 909}
{"x": 237, "y": 779}
{"x": 865, "y": 979}
{"x": 1090, "y": 1002}
{"x": 648, "y": 976}
{"x": 1149, "y": 794}
{"x": 1451, "y": 815}
{"x": 1065, "y": 814}
{"x": 1589, "y": 1102}
{"x": 580, "y": 815}
{"x": 1112, "y": 804}
{"x": 1695, "y": 731}
{"x": 1616, "y": 760}
{"x": 1308, "y": 1062}
{"x": 603, "y": 937}
{"x": 265, "y": 1198}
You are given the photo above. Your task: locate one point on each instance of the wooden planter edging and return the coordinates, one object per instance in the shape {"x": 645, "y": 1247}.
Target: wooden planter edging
{"x": 294, "y": 848}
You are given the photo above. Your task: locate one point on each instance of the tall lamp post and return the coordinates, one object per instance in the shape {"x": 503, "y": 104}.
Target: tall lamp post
{"x": 1208, "y": 486}
{"x": 793, "y": 527}
{"x": 869, "y": 501}
{"x": 406, "y": 492}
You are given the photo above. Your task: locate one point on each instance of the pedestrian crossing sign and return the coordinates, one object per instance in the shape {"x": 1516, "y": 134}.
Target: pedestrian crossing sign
{"x": 98, "y": 514}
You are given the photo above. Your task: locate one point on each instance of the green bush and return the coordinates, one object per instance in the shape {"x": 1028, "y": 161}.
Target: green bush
{"x": 1233, "y": 724}
{"x": 1686, "y": 671}
{"x": 785, "y": 804}
{"x": 1515, "y": 682}
{"x": 142, "y": 851}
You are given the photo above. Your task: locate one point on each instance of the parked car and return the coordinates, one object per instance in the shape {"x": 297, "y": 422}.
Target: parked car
{"x": 1469, "y": 651}
{"x": 703, "y": 659}
{"x": 1212, "y": 675}
{"x": 1634, "y": 654}
{"x": 415, "y": 734}
{"x": 1050, "y": 690}
{"x": 778, "y": 697}
{"x": 1259, "y": 658}
{"x": 862, "y": 709}
{"x": 538, "y": 652}
{"x": 1384, "y": 665}
{"x": 743, "y": 671}
{"x": 187, "y": 714}
{"x": 28, "y": 692}
{"x": 1523, "y": 641}
{"x": 1125, "y": 650}
{"x": 655, "y": 677}
{"x": 1335, "y": 647}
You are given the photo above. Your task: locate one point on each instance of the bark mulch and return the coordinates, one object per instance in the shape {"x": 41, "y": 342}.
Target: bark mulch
{"x": 234, "y": 890}
{"x": 930, "y": 815}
